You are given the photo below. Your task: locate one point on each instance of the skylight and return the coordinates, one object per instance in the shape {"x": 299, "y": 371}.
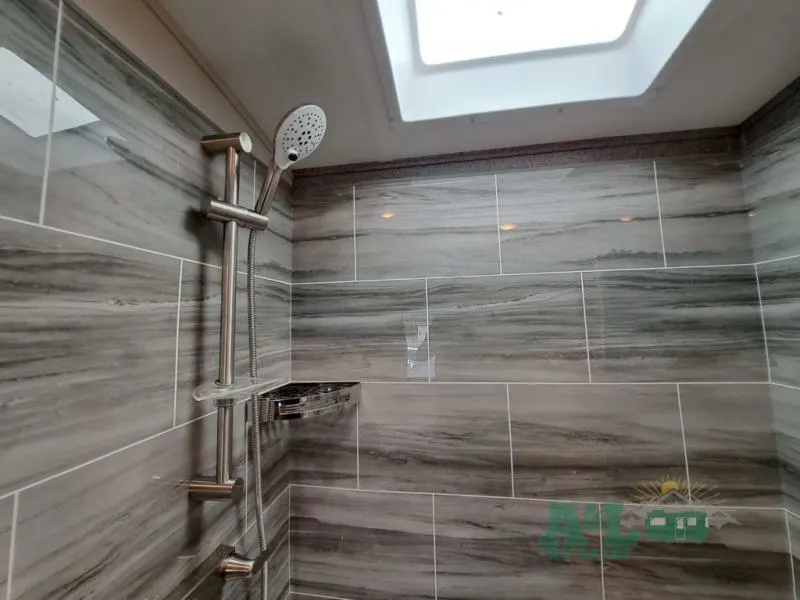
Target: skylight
{"x": 26, "y": 95}
{"x": 457, "y": 30}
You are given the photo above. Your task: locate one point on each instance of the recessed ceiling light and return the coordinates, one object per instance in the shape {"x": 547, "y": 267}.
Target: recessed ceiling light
{"x": 508, "y": 227}
{"x": 626, "y": 218}
{"x": 387, "y": 215}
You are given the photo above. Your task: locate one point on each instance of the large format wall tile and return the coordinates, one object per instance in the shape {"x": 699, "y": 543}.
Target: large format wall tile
{"x": 772, "y": 188}
{"x": 597, "y": 216}
{"x": 780, "y": 297}
{"x": 737, "y": 555}
{"x": 703, "y": 211}
{"x": 6, "y": 517}
{"x": 522, "y": 328}
{"x": 324, "y": 449}
{"x": 675, "y": 325}
{"x": 88, "y": 349}
{"x": 730, "y": 444}
{"x": 786, "y": 413}
{"x": 595, "y": 442}
{"x": 362, "y": 545}
{"x": 198, "y": 351}
{"x": 27, "y": 34}
{"x": 138, "y": 174}
{"x": 359, "y": 331}
{"x": 323, "y": 235}
{"x": 435, "y": 227}
{"x": 435, "y": 438}
{"x": 494, "y": 548}
{"x": 794, "y": 541}
{"x": 131, "y": 531}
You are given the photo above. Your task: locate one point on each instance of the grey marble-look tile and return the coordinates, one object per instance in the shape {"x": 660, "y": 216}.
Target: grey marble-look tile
{"x": 324, "y": 449}
{"x": 435, "y": 438}
{"x": 427, "y": 228}
{"x": 198, "y": 352}
{"x": 512, "y": 549}
{"x": 278, "y": 570}
{"x": 27, "y": 36}
{"x": 138, "y": 174}
{"x": 511, "y": 328}
{"x": 359, "y": 331}
{"x": 675, "y": 325}
{"x": 6, "y": 523}
{"x": 89, "y": 338}
{"x": 703, "y": 211}
{"x": 794, "y": 541}
{"x": 655, "y": 553}
{"x": 132, "y": 532}
{"x": 786, "y": 415}
{"x": 323, "y": 233}
{"x": 596, "y": 216}
{"x": 276, "y": 465}
{"x": 730, "y": 444}
{"x": 594, "y": 442}
{"x": 771, "y": 175}
{"x": 780, "y": 297}
{"x": 362, "y": 545}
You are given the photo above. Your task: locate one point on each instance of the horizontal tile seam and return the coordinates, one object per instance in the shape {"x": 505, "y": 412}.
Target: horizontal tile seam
{"x": 496, "y": 275}
{"x": 546, "y": 383}
{"x": 292, "y": 593}
{"x": 116, "y": 451}
{"x": 524, "y": 499}
{"x": 101, "y": 240}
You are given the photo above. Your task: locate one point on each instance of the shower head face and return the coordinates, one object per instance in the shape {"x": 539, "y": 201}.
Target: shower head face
{"x": 299, "y": 133}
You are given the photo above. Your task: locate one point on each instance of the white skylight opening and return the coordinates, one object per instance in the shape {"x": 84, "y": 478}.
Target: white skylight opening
{"x": 451, "y": 31}
{"x": 25, "y": 96}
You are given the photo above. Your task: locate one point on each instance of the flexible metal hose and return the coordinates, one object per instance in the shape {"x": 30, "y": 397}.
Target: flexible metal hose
{"x": 255, "y": 404}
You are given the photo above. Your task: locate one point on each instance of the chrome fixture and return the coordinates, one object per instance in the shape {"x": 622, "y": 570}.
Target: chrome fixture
{"x": 303, "y": 400}
{"x": 297, "y": 136}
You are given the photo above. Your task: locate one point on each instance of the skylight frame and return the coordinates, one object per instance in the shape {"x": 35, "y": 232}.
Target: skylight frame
{"x": 522, "y": 50}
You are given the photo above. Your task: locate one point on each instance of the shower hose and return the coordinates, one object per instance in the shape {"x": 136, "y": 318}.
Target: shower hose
{"x": 255, "y": 404}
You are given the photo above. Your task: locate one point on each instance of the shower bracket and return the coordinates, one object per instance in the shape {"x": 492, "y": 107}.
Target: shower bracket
{"x": 222, "y": 486}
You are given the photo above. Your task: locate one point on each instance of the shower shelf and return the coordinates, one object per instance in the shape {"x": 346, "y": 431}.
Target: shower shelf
{"x": 242, "y": 389}
{"x": 303, "y": 400}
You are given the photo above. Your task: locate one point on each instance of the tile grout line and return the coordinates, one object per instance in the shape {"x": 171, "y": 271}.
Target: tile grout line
{"x": 520, "y": 498}
{"x": 586, "y": 330}
{"x": 510, "y": 441}
{"x": 763, "y": 324}
{"x": 772, "y": 260}
{"x": 177, "y": 346}
{"x": 355, "y": 245}
{"x": 12, "y": 545}
{"x": 516, "y": 274}
{"x": 497, "y": 209}
{"x": 791, "y": 555}
{"x": 435, "y": 575}
{"x": 792, "y": 513}
{"x": 683, "y": 438}
{"x": 602, "y": 556}
{"x": 428, "y": 330}
{"x": 318, "y": 596}
{"x": 660, "y": 220}
{"x": 593, "y": 383}
{"x": 49, "y": 143}
{"x": 111, "y": 453}
{"x": 784, "y": 385}
{"x": 95, "y": 238}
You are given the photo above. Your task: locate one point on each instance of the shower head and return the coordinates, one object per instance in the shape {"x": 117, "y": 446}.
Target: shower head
{"x": 299, "y": 133}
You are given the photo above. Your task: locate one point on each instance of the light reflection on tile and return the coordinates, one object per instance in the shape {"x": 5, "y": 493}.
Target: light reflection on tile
{"x": 435, "y": 227}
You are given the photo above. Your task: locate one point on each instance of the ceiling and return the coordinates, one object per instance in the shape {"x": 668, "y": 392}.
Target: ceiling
{"x": 275, "y": 54}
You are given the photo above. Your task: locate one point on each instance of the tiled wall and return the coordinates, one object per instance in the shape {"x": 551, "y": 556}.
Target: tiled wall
{"x": 544, "y": 345}
{"x": 772, "y": 187}
{"x": 109, "y": 312}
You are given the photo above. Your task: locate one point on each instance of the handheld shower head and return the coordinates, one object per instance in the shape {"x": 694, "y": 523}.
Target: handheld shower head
{"x": 299, "y": 133}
